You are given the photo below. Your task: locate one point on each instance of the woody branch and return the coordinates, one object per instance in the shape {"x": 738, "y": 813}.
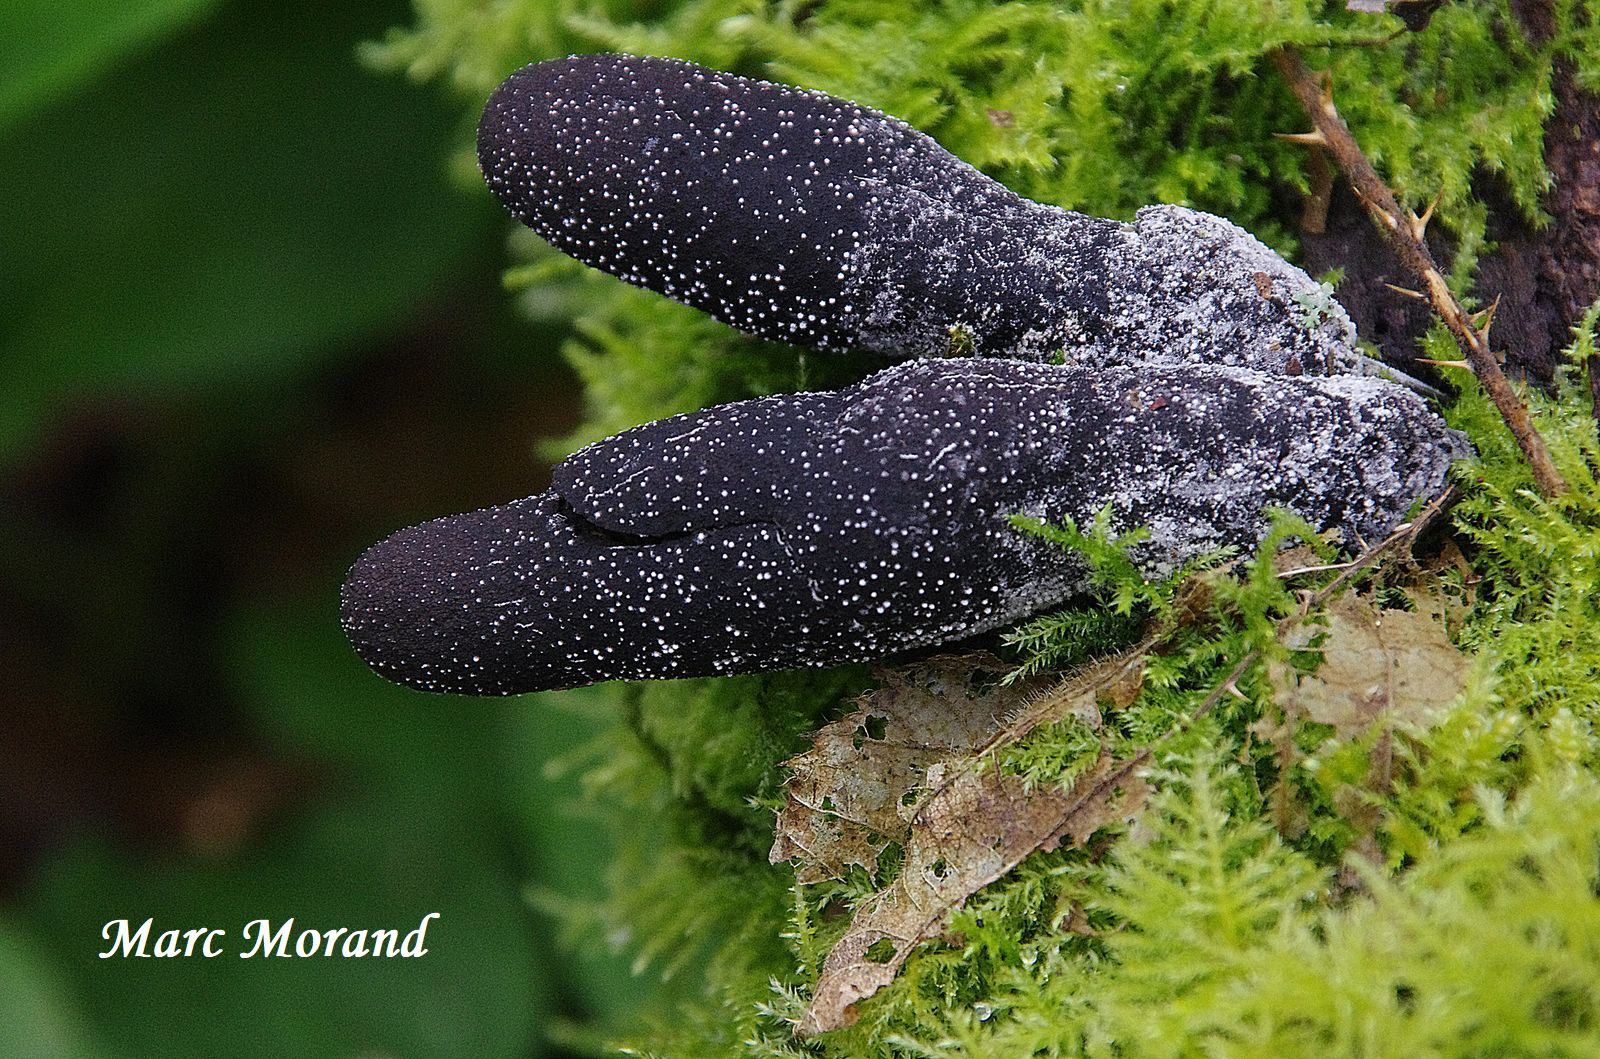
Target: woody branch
{"x": 1404, "y": 231}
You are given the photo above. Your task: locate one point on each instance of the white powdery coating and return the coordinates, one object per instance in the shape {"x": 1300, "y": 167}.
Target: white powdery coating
{"x": 797, "y": 216}
{"x": 820, "y": 528}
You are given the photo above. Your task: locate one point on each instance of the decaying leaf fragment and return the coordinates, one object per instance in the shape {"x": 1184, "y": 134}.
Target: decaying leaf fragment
{"x": 967, "y": 822}
{"x": 1380, "y": 669}
{"x": 970, "y": 832}
{"x": 848, "y": 796}
{"x": 1376, "y": 664}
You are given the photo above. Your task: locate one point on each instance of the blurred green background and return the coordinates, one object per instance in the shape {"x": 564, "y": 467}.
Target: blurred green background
{"x": 248, "y": 325}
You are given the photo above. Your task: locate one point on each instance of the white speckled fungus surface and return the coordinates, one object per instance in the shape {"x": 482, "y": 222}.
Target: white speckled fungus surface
{"x": 800, "y": 217}
{"x": 819, "y": 528}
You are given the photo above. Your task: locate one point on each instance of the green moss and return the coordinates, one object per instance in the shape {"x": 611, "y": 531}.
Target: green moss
{"x": 1467, "y": 925}
{"x": 721, "y": 740}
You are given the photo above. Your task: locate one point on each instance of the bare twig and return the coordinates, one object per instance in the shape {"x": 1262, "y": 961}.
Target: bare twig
{"x": 1320, "y": 568}
{"x": 1404, "y": 231}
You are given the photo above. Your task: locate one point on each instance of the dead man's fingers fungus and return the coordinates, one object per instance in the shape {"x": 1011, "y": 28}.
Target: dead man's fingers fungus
{"x": 1205, "y": 382}
{"x": 820, "y": 528}
{"x": 797, "y": 216}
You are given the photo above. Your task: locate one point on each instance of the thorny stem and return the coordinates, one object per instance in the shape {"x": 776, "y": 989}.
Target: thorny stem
{"x": 1404, "y": 231}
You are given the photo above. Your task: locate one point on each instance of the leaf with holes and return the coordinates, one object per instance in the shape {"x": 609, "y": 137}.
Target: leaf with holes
{"x": 848, "y": 798}
{"x": 966, "y": 834}
{"x": 916, "y": 764}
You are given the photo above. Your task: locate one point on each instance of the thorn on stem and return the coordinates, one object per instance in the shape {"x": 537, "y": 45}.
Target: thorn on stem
{"x": 1419, "y": 224}
{"x": 1308, "y": 139}
{"x": 1484, "y": 317}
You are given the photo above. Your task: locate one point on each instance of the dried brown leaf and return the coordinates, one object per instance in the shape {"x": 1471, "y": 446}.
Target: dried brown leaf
{"x": 934, "y": 730}
{"x": 914, "y": 764}
{"x": 1296, "y": 558}
{"x": 968, "y": 833}
{"x": 846, "y": 799}
{"x": 1449, "y": 608}
{"x": 1123, "y": 687}
{"x": 1376, "y": 664}
{"x": 1380, "y": 668}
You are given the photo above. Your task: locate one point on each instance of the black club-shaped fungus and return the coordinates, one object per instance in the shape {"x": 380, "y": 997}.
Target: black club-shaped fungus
{"x": 797, "y": 216}
{"x": 820, "y": 528}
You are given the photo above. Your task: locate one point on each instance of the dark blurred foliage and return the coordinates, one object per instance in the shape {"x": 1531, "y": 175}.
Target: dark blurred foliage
{"x": 248, "y": 326}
